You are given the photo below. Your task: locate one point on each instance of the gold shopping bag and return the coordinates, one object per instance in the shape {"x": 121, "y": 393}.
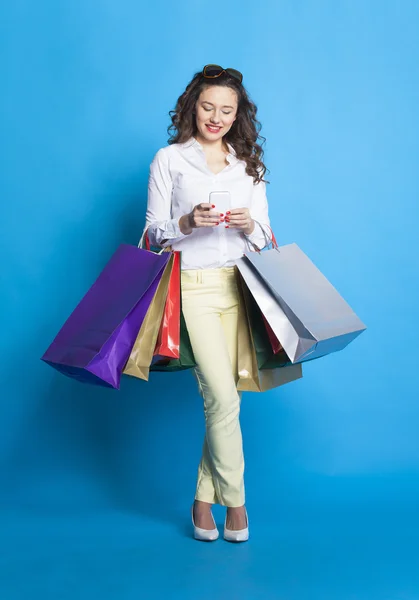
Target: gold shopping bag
{"x": 250, "y": 377}
{"x": 139, "y": 361}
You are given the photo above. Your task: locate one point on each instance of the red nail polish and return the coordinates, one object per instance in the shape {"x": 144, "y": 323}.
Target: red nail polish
{"x": 227, "y": 226}
{"x": 228, "y": 212}
{"x": 217, "y": 223}
{"x": 221, "y": 214}
{"x": 213, "y": 205}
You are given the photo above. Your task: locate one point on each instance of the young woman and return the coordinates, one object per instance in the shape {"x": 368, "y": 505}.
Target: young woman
{"x": 213, "y": 148}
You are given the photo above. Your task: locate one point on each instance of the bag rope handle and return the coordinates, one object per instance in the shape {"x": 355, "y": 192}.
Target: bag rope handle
{"x": 147, "y": 243}
{"x": 270, "y": 241}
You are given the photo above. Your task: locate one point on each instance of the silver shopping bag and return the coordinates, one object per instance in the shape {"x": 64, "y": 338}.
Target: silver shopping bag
{"x": 304, "y": 310}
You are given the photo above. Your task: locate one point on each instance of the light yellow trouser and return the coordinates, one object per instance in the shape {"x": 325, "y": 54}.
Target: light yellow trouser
{"x": 210, "y": 304}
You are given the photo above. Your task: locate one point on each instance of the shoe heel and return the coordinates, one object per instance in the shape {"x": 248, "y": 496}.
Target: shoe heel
{"x": 236, "y": 535}
{"x": 204, "y": 535}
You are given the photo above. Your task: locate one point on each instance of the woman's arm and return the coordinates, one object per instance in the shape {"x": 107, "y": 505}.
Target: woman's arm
{"x": 261, "y": 235}
{"x": 162, "y": 229}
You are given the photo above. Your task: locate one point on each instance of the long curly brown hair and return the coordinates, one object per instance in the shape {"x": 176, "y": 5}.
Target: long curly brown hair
{"x": 243, "y": 134}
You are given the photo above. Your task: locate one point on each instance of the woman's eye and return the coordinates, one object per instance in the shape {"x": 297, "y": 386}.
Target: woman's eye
{"x": 225, "y": 113}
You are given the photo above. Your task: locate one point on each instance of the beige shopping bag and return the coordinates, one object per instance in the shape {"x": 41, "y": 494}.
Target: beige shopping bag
{"x": 139, "y": 361}
{"x": 250, "y": 378}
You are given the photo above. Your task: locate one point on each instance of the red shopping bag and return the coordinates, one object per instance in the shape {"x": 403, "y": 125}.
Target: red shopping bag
{"x": 168, "y": 341}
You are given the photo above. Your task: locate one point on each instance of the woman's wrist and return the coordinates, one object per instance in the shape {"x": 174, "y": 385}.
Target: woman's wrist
{"x": 185, "y": 224}
{"x": 250, "y": 229}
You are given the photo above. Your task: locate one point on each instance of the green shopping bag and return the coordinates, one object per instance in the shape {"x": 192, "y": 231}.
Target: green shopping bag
{"x": 186, "y": 358}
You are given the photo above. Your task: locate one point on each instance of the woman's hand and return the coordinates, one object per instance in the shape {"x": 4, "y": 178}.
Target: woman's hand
{"x": 201, "y": 216}
{"x": 239, "y": 218}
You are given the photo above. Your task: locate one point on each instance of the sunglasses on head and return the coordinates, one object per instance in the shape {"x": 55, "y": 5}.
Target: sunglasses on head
{"x": 211, "y": 71}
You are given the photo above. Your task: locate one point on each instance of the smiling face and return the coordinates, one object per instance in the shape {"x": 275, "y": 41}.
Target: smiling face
{"x": 216, "y": 106}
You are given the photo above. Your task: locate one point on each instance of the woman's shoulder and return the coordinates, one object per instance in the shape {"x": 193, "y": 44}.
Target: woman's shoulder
{"x": 163, "y": 154}
{"x": 166, "y": 159}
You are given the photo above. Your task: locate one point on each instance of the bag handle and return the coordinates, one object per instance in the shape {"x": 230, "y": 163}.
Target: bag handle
{"x": 274, "y": 242}
{"x": 144, "y": 237}
{"x": 147, "y": 243}
{"x": 270, "y": 241}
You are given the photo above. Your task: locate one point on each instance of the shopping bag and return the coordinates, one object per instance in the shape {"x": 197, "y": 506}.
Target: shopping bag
{"x": 266, "y": 358}
{"x": 95, "y": 342}
{"x": 304, "y": 310}
{"x": 141, "y": 355}
{"x": 275, "y": 343}
{"x": 250, "y": 377}
{"x": 186, "y": 358}
{"x": 168, "y": 340}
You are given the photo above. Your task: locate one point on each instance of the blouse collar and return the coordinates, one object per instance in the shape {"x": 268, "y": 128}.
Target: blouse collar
{"x": 193, "y": 142}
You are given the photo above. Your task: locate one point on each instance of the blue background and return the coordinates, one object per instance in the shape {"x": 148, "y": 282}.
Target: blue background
{"x": 96, "y": 485}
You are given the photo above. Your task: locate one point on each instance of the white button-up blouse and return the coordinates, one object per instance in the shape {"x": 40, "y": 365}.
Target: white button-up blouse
{"x": 179, "y": 179}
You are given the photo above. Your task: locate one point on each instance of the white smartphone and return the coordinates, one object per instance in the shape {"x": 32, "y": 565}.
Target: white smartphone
{"x": 221, "y": 200}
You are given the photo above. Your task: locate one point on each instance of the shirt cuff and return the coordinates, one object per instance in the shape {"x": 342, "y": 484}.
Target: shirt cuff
{"x": 168, "y": 231}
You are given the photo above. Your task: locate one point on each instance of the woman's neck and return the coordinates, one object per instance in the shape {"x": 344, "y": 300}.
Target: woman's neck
{"x": 212, "y": 147}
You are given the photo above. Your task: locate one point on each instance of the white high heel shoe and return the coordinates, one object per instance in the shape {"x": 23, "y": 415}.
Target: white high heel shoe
{"x": 207, "y": 535}
{"x": 236, "y": 535}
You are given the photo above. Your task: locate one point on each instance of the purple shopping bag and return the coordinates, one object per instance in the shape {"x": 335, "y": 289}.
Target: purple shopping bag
{"x": 95, "y": 342}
